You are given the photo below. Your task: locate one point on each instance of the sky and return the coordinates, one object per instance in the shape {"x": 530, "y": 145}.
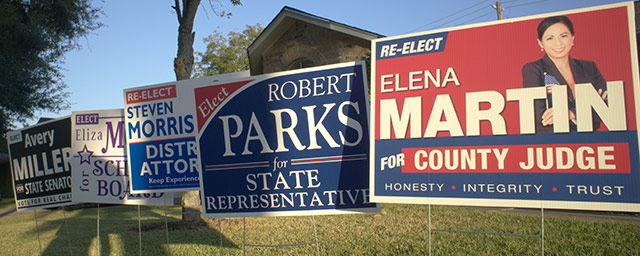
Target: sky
{"x": 138, "y": 42}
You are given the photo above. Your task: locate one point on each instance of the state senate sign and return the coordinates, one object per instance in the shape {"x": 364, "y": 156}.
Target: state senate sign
{"x": 538, "y": 111}
{"x": 287, "y": 143}
{"x": 40, "y": 157}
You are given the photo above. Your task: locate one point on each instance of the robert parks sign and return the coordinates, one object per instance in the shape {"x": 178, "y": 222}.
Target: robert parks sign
{"x": 537, "y": 112}
{"x": 40, "y": 158}
{"x": 100, "y": 173}
{"x": 290, "y": 143}
{"x": 161, "y": 135}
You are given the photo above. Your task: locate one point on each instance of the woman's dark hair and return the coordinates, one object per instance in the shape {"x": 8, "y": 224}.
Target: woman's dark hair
{"x": 546, "y": 23}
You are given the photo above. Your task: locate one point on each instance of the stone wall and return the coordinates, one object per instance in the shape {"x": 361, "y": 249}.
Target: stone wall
{"x": 320, "y": 45}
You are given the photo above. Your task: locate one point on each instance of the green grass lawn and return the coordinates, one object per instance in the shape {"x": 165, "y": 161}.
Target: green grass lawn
{"x": 396, "y": 230}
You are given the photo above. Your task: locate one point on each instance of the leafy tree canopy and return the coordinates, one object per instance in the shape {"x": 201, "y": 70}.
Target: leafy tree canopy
{"x": 35, "y": 35}
{"x": 226, "y": 54}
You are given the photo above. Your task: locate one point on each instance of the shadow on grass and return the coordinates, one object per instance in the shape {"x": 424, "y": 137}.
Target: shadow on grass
{"x": 118, "y": 229}
{"x": 7, "y": 203}
{"x": 7, "y": 212}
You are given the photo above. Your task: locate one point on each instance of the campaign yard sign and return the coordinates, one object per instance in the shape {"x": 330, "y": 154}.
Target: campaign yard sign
{"x": 160, "y": 132}
{"x": 526, "y": 112}
{"x": 40, "y": 157}
{"x": 289, "y": 143}
{"x": 99, "y": 163}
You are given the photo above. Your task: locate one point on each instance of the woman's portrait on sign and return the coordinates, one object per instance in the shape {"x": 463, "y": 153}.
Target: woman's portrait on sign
{"x": 556, "y": 38}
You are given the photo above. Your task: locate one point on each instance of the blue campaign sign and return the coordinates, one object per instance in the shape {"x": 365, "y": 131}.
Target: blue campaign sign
{"x": 290, "y": 143}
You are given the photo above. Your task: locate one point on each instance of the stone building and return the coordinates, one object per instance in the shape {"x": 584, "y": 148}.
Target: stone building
{"x": 296, "y": 39}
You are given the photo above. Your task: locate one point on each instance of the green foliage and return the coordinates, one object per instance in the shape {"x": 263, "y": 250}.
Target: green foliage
{"x": 226, "y": 54}
{"x": 35, "y": 35}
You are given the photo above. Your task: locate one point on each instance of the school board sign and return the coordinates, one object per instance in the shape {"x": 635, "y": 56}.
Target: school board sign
{"x": 288, "y": 143}
{"x": 99, "y": 163}
{"x": 160, "y": 130}
{"x": 468, "y": 124}
{"x": 40, "y": 158}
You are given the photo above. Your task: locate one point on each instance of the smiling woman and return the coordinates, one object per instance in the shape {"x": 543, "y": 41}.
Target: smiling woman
{"x": 556, "y": 68}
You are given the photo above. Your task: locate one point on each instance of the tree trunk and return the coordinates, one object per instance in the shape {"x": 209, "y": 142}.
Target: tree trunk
{"x": 182, "y": 66}
{"x": 191, "y": 206}
{"x": 183, "y": 63}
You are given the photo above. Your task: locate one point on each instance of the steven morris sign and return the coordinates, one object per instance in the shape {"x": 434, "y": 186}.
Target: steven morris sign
{"x": 160, "y": 129}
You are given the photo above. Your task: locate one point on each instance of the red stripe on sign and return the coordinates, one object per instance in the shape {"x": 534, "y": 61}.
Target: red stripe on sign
{"x": 545, "y": 158}
{"x": 149, "y": 94}
{"x": 209, "y": 98}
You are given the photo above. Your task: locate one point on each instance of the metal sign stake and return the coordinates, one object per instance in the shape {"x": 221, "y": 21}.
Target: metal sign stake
{"x": 315, "y": 233}
{"x": 220, "y": 231}
{"x": 541, "y": 231}
{"x": 166, "y": 225}
{"x": 98, "y": 230}
{"x": 139, "y": 233}
{"x": 66, "y": 225}
{"x": 429, "y": 233}
{"x": 35, "y": 215}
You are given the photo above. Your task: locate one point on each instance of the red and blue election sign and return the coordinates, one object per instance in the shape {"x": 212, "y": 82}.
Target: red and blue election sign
{"x": 496, "y": 114}
{"x": 289, "y": 143}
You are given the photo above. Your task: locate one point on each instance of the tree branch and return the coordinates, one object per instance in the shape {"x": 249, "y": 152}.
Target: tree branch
{"x": 177, "y": 8}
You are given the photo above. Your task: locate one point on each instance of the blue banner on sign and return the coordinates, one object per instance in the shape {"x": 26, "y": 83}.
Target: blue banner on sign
{"x": 289, "y": 145}
{"x": 409, "y": 46}
{"x": 169, "y": 164}
{"x": 517, "y": 185}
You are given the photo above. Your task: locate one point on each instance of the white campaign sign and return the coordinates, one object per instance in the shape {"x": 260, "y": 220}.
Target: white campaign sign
{"x": 99, "y": 161}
